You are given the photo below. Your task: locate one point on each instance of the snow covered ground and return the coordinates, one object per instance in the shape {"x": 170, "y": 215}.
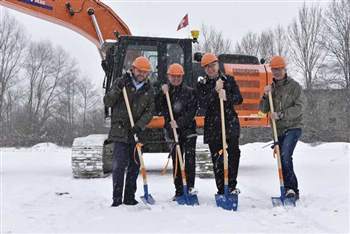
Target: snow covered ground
{"x": 39, "y": 195}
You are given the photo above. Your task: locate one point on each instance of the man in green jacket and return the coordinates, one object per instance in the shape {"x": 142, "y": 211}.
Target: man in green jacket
{"x": 141, "y": 98}
{"x": 288, "y": 101}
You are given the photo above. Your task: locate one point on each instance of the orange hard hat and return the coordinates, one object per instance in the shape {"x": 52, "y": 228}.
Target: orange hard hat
{"x": 142, "y": 63}
{"x": 277, "y": 62}
{"x": 175, "y": 69}
{"x": 208, "y": 58}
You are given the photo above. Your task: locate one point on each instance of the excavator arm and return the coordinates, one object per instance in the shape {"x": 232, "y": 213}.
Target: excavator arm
{"x": 90, "y": 18}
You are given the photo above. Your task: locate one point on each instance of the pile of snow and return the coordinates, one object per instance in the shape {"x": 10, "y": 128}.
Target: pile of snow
{"x": 41, "y": 196}
{"x": 40, "y": 147}
{"x": 91, "y": 140}
{"x": 45, "y": 146}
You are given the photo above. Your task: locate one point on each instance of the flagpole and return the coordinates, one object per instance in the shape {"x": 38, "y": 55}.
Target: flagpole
{"x": 188, "y": 27}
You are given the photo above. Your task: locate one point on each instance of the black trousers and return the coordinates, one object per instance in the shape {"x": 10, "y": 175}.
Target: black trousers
{"x": 188, "y": 150}
{"x": 218, "y": 163}
{"x": 123, "y": 159}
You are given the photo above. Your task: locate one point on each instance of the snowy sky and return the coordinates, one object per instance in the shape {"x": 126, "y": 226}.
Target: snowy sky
{"x": 160, "y": 18}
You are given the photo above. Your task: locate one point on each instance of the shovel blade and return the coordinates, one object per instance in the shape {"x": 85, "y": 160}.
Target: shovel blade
{"x": 227, "y": 202}
{"x": 187, "y": 199}
{"x": 148, "y": 199}
{"x": 280, "y": 201}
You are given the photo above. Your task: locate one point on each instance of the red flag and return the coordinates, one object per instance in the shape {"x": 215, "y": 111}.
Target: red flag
{"x": 183, "y": 23}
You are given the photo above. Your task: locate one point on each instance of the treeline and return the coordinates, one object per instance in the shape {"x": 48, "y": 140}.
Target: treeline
{"x": 316, "y": 44}
{"x": 43, "y": 96}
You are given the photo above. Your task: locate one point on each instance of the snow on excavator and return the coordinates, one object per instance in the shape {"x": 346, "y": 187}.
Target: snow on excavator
{"x": 92, "y": 155}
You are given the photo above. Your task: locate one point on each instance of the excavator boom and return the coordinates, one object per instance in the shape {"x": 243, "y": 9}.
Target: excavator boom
{"x": 79, "y": 15}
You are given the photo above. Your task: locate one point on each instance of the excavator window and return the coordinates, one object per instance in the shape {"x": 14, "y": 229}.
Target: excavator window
{"x": 150, "y": 52}
{"x": 175, "y": 54}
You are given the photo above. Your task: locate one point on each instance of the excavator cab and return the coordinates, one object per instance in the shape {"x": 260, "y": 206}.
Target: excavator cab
{"x": 160, "y": 51}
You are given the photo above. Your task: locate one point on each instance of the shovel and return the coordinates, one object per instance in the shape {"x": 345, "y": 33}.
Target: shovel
{"x": 185, "y": 198}
{"x": 146, "y": 198}
{"x": 282, "y": 200}
{"x": 227, "y": 200}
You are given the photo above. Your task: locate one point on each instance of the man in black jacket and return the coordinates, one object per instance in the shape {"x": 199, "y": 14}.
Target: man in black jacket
{"x": 214, "y": 85}
{"x": 184, "y": 106}
{"x": 141, "y": 98}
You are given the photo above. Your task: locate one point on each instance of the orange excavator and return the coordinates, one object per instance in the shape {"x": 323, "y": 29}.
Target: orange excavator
{"x": 91, "y": 156}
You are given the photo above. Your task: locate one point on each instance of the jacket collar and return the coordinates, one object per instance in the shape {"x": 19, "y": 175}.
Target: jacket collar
{"x": 221, "y": 75}
{"x": 131, "y": 80}
{"x": 173, "y": 88}
{"x": 282, "y": 82}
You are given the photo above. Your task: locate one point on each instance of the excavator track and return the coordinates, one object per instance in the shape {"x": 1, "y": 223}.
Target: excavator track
{"x": 91, "y": 157}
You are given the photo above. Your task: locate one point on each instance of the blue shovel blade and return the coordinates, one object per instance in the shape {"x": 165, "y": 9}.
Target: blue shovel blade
{"x": 187, "y": 199}
{"x": 280, "y": 201}
{"x": 227, "y": 202}
{"x": 148, "y": 199}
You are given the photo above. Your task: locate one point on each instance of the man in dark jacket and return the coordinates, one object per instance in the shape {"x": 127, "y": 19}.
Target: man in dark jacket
{"x": 288, "y": 101}
{"x": 141, "y": 98}
{"x": 184, "y": 106}
{"x": 214, "y": 85}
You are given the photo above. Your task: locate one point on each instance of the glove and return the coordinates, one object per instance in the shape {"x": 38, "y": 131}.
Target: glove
{"x": 121, "y": 83}
{"x": 136, "y": 130}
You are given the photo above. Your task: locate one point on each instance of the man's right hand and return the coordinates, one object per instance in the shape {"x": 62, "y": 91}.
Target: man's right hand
{"x": 165, "y": 88}
{"x": 173, "y": 124}
{"x": 121, "y": 83}
{"x": 135, "y": 130}
{"x": 219, "y": 85}
{"x": 267, "y": 89}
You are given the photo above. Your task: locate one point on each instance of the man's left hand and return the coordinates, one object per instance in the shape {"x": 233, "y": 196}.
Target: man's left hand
{"x": 136, "y": 130}
{"x": 222, "y": 94}
{"x": 276, "y": 115}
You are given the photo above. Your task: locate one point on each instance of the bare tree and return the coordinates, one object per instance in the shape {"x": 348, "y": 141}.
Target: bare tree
{"x": 46, "y": 67}
{"x": 269, "y": 43}
{"x": 249, "y": 44}
{"x": 12, "y": 44}
{"x": 213, "y": 41}
{"x": 280, "y": 41}
{"x": 336, "y": 39}
{"x": 266, "y": 44}
{"x": 306, "y": 51}
{"x": 90, "y": 99}
{"x": 38, "y": 68}
{"x": 66, "y": 110}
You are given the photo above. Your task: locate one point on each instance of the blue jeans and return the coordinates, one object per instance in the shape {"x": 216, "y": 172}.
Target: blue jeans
{"x": 287, "y": 142}
{"x": 124, "y": 158}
